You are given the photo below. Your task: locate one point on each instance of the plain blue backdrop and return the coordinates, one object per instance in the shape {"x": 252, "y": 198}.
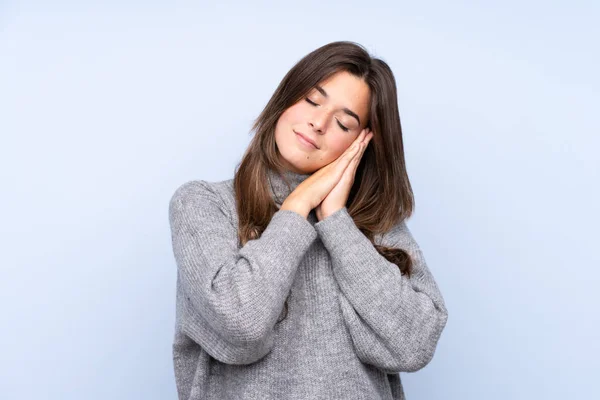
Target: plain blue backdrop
{"x": 107, "y": 107}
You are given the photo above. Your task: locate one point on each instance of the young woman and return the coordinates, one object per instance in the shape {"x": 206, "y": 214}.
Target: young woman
{"x": 298, "y": 278}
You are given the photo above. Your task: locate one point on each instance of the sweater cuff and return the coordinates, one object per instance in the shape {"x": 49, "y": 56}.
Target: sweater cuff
{"x": 291, "y": 230}
{"x": 338, "y": 230}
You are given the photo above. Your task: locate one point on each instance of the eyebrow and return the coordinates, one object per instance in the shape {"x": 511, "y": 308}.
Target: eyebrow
{"x": 345, "y": 109}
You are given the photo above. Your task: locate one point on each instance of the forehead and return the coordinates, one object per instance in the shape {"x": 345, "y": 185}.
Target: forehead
{"x": 346, "y": 90}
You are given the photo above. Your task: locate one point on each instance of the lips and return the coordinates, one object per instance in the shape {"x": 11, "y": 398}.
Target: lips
{"x": 307, "y": 139}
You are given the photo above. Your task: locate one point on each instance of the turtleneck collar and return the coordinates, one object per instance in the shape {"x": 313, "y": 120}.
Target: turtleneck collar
{"x": 279, "y": 189}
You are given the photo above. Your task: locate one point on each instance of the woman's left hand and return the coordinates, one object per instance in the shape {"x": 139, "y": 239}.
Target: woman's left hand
{"x": 338, "y": 196}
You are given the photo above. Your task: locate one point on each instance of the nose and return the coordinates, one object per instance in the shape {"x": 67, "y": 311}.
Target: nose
{"x": 319, "y": 120}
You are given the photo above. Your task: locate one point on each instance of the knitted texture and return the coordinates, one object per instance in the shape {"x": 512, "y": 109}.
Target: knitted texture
{"x": 353, "y": 321}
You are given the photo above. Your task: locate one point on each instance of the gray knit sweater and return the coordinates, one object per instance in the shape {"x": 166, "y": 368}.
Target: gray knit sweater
{"x": 353, "y": 322}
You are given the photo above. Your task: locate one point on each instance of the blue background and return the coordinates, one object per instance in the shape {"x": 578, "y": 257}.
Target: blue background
{"x": 107, "y": 107}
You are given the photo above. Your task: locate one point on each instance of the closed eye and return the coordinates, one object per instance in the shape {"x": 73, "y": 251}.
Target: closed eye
{"x": 342, "y": 126}
{"x": 315, "y": 104}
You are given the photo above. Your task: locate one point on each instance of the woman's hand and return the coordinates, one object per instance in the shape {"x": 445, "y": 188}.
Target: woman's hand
{"x": 311, "y": 192}
{"x": 337, "y": 198}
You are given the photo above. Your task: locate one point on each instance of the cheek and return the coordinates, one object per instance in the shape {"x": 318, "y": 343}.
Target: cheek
{"x": 283, "y": 125}
{"x": 295, "y": 114}
{"x": 288, "y": 119}
{"x": 336, "y": 147}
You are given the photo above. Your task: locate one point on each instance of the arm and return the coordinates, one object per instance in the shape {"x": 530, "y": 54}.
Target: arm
{"x": 395, "y": 322}
{"x": 232, "y": 296}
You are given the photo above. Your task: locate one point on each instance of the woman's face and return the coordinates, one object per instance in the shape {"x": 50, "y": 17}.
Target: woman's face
{"x": 333, "y": 122}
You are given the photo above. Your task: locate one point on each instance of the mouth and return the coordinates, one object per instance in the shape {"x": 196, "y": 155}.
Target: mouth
{"x": 306, "y": 140}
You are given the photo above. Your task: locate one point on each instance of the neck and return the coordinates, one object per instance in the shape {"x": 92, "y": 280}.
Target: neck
{"x": 279, "y": 188}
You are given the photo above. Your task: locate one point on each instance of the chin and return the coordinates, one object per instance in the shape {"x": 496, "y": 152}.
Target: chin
{"x": 294, "y": 158}
{"x": 298, "y": 163}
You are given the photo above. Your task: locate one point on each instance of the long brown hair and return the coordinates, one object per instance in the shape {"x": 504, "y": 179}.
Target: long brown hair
{"x": 381, "y": 195}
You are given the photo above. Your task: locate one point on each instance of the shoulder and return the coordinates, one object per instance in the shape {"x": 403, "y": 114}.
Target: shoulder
{"x": 193, "y": 191}
{"x": 203, "y": 194}
{"x": 198, "y": 188}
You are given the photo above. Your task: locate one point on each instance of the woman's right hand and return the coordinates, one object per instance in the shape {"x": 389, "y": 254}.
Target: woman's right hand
{"x": 311, "y": 192}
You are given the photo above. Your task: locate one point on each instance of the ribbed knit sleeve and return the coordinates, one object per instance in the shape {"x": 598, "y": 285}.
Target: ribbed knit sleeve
{"x": 395, "y": 322}
{"x": 232, "y": 296}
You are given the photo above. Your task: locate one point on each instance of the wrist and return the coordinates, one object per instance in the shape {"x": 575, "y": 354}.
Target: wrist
{"x": 295, "y": 205}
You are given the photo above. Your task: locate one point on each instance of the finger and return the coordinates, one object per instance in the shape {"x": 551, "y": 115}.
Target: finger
{"x": 352, "y": 165}
{"x": 356, "y": 141}
{"x": 367, "y": 140}
{"x": 358, "y": 157}
{"x": 339, "y": 164}
{"x": 362, "y": 135}
{"x": 350, "y": 170}
{"x": 350, "y": 152}
{"x": 344, "y": 161}
{"x": 362, "y": 145}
